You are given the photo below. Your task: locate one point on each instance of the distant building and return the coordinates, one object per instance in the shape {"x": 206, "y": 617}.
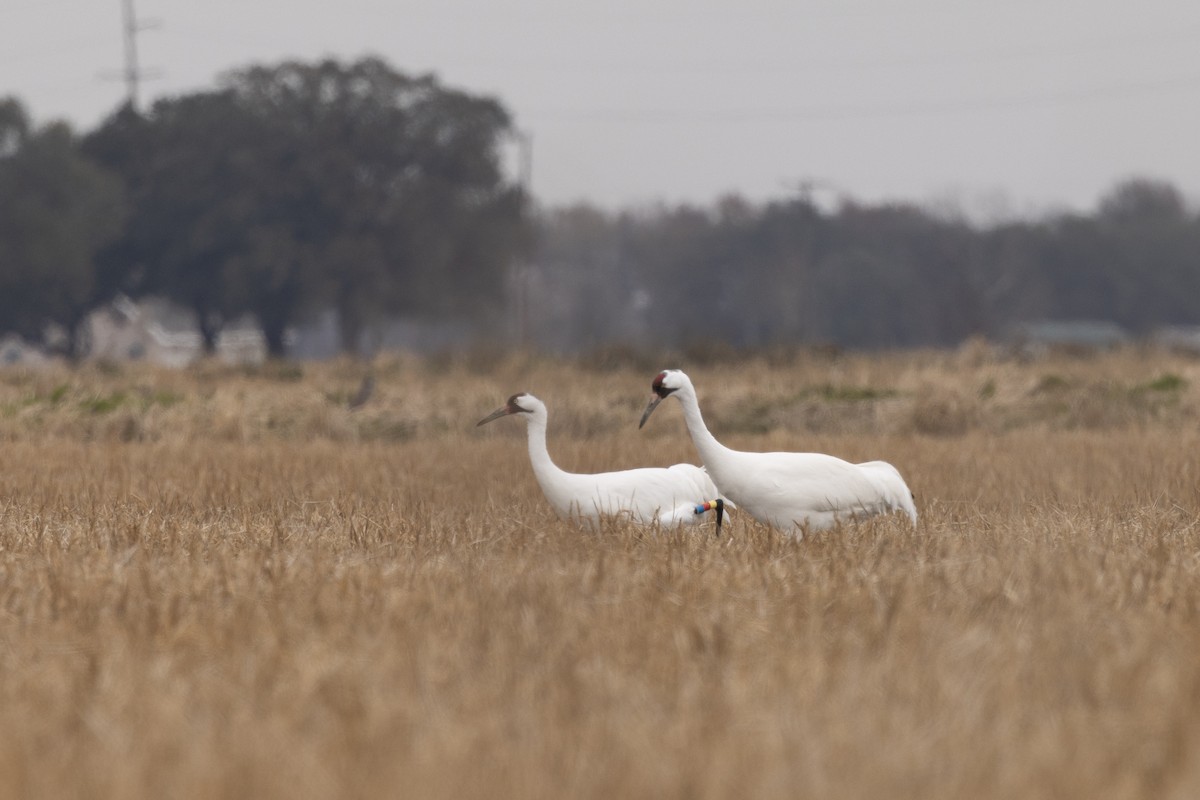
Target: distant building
{"x": 1079, "y": 336}
{"x": 159, "y": 332}
{"x": 15, "y": 351}
{"x": 1178, "y": 339}
{"x": 156, "y": 330}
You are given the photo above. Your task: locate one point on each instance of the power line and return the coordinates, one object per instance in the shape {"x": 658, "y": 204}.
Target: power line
{"x": 782, "y": 113}
{"x": 50, "y": 50}
{"x": 1066, "y": 49}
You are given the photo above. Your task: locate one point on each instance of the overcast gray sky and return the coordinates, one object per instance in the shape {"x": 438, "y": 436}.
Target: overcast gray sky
{"x": 1011, "y": 106}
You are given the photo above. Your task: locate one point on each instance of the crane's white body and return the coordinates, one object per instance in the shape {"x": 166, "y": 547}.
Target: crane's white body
{"x": 664, "y": 495}
{"x": 791, "y": 491}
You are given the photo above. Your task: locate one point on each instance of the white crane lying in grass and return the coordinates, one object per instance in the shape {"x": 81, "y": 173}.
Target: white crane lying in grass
{"x": 791, "y": 491}
{"x": 669, "y": 496}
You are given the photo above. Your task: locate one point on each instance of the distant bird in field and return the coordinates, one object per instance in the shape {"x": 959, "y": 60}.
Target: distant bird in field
{"x": 791, "y": 491}
{"x": 365, "y": 390}
{"x": 670, "y": 496}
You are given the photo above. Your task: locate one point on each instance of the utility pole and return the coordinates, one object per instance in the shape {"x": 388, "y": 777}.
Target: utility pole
{"x": 133, "y": 74}
{"x": 525, "y": 180}
{"x": 525, "y": 162}
{"x": 807, "y": 187}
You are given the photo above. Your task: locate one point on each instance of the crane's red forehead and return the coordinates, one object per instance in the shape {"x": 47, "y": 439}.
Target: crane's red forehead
{"x": 658, "y": 379}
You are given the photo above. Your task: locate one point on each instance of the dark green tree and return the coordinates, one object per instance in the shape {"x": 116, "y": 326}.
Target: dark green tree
{"x": 60, "y": 210}
{"x": 911, "y": 269}
{"x": 14, "y": 126}
{"x": 299, "y": 187}
{"x": 391, "y": 186}
{"x": 195, "y": 170}
{"x": 681, "y": 260}
{"x": 1151, "y": 253}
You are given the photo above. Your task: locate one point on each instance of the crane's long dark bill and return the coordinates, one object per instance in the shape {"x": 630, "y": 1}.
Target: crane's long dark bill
{"x": 502, "y": 411}
{"x": 654, "y": 401}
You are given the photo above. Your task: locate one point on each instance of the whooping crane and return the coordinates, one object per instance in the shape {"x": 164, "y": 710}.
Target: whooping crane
{"x": 669, "y": 496}
{"x": 791, "y": 491}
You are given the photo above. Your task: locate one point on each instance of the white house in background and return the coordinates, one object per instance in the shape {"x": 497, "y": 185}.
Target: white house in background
{"x": 156, "y": 330}
{"x": 1178, "y": 339}
{"x": 1081, "y": 336}
{"x": 15, "y": 351}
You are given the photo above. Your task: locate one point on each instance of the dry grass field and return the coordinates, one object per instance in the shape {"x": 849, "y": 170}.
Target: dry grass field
{"x": 221, "y": 582}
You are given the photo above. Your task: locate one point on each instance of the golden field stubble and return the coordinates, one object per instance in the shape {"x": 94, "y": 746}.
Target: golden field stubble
{"x": 220, "y": 584}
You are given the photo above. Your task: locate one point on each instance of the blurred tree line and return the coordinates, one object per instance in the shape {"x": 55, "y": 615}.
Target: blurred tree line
{"x": 298, "y": 188}
{"x": 891, "y": 275}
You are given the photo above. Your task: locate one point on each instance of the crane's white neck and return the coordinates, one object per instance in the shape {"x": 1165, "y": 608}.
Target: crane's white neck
{"x": 706, "y": 444}
{"x": 544, "y": 469}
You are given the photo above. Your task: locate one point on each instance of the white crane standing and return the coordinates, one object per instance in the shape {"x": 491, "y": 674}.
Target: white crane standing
{"x": 791, "y": 491}
{"x": 669, "y": 496}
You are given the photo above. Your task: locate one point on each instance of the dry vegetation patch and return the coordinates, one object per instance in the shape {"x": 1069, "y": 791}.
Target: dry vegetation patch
{"x": 224, "y": 583}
